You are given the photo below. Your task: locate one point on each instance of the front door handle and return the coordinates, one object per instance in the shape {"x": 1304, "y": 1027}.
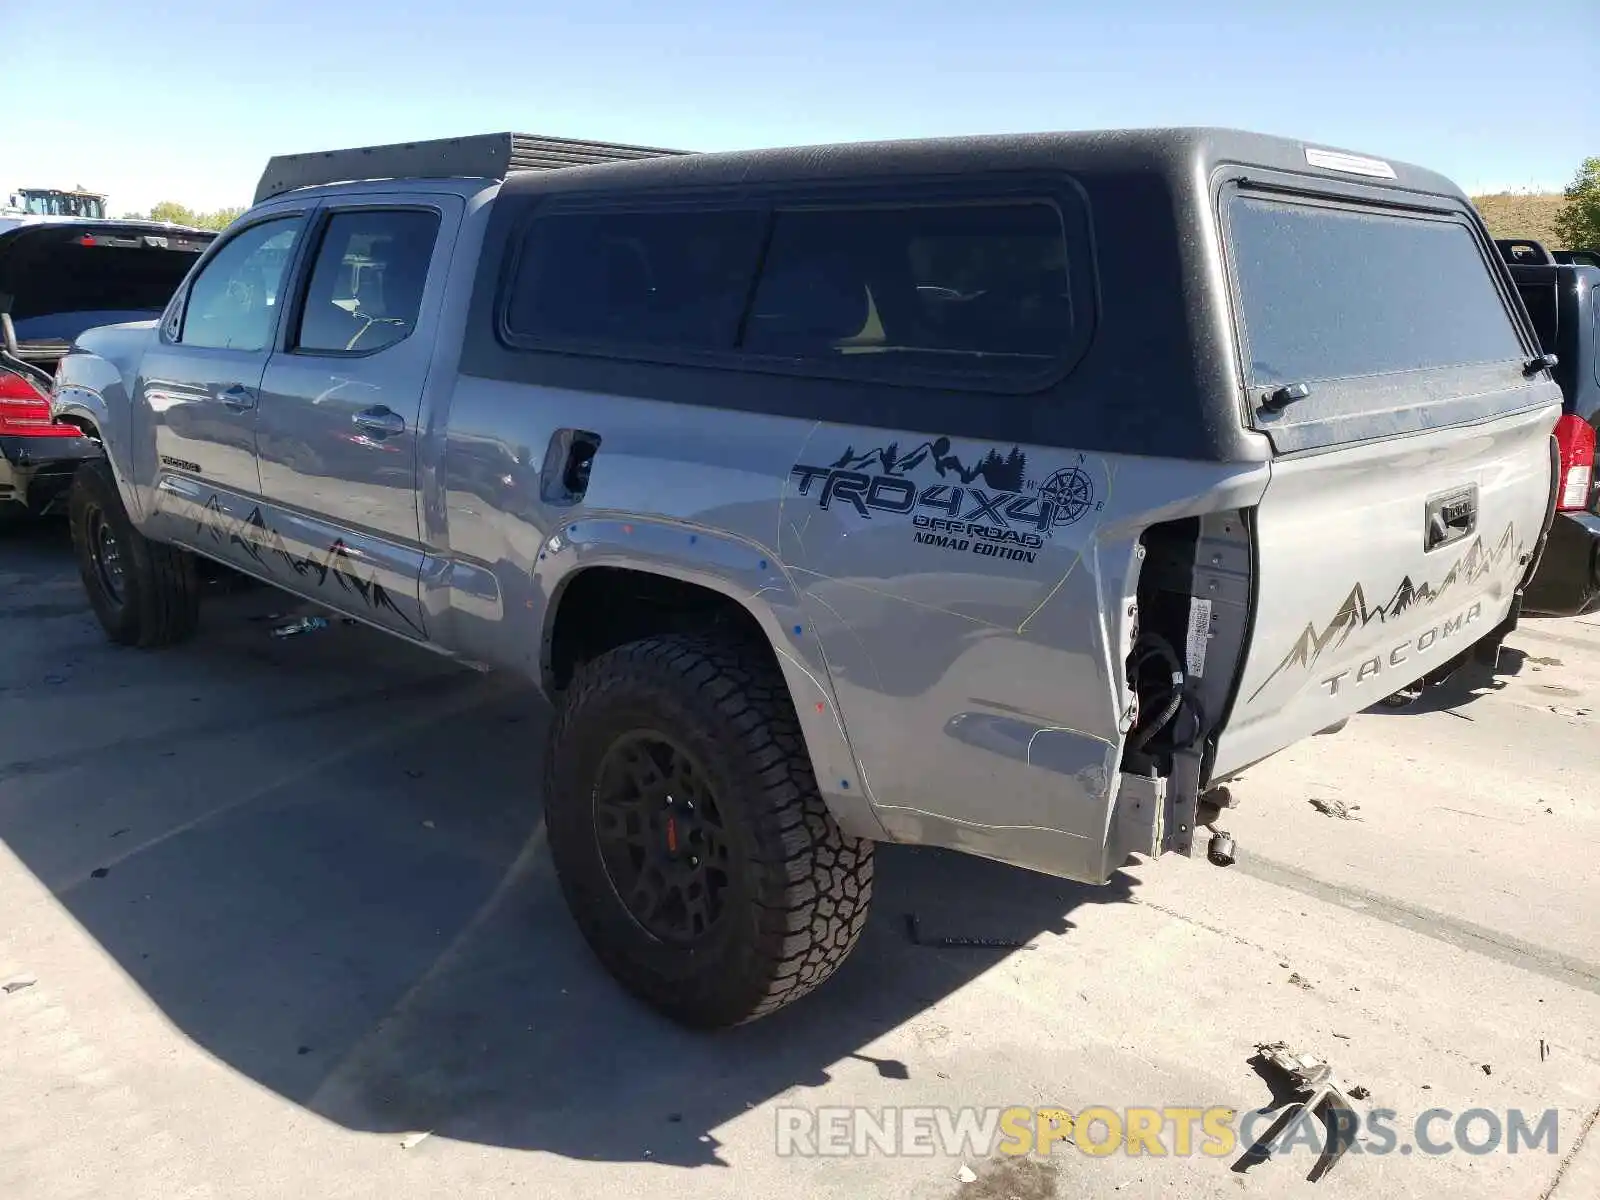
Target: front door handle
{"x": 379, "y": 422}
{"x": 237, "y": 398}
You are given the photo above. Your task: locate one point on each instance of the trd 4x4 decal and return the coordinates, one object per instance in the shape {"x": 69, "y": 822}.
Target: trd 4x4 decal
{"x": 1008, "y": 517}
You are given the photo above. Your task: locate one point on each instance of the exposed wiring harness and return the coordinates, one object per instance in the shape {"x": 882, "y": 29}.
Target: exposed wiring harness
{"x": 1153, "y": 648}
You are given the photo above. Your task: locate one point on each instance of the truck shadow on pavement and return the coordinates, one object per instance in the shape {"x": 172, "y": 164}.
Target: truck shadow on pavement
{"x": 1472, "y": 682}
{"x": 321, "y": 857}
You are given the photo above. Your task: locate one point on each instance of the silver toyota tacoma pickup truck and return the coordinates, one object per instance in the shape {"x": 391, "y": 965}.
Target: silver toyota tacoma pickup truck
{"x": 1005, "y": 494}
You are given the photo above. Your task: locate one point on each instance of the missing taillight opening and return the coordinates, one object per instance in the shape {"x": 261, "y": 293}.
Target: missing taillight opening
{"x": 1575, "y": 439}
{"x": 25, "y": 410}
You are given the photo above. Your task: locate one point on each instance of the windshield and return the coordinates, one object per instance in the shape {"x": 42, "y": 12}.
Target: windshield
{"x": 43, "y": 202}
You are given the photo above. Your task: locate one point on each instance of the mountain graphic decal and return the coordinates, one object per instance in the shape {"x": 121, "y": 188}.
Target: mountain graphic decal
{"x": 1355, "y": 613}
{"x": 259, "y": 540}
{"x": 1002, "y": 473}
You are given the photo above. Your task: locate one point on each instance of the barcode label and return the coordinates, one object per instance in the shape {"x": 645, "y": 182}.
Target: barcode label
{"x": 1199, "y": 634}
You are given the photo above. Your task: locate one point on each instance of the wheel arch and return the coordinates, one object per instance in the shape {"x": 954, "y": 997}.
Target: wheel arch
{"x": 606, "y": 600}
{"x": 90, "y": 392}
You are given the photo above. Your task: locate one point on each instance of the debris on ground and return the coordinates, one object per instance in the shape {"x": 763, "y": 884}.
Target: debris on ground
{"x": 302, "y": 625}
{"x": 1335, "y": 808}
{"x": 1359, "y": 1093}
{"x": 914, "y": 936}
{"x": 427, "y": 825}
{"x": 1299, "y": 982}
{"x": 1487, "y": 1070}
{"x": 1320, "y": 1088}
{"x": 1020, "y": 1177}
{"x": 99, "y": 872}
{"x": 1544, "y": 1050}
{"x": 412, "y": 1140}
{"x": 16, "y": 985}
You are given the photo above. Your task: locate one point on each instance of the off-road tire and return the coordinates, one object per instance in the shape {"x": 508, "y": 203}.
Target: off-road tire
{"x": 798, "y": 887}
{"x": 159, "y": 603}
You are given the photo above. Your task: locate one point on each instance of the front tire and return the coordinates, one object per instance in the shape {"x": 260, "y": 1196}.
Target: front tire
{"x": 145, "y": 593}
{"x": 692, "y": 845}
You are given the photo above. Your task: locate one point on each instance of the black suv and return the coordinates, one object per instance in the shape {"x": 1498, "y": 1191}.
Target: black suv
{"x": 1561, "y": 290}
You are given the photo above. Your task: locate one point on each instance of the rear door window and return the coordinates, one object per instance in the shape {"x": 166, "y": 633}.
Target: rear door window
{"x": 1337, "y": 293}
{"x": 975, "y": 288}
{"x": 366, "y": 287}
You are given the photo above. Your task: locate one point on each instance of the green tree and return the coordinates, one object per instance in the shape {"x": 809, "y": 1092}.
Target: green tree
{"x": 181, "y": 214}
{"x": 1578, "y": 222}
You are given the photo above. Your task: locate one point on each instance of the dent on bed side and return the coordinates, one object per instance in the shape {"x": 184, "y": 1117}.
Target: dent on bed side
{"x": 741, "y": 572}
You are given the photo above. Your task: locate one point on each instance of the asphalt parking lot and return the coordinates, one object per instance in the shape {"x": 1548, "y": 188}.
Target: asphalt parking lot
{"x": 276, "y": 919}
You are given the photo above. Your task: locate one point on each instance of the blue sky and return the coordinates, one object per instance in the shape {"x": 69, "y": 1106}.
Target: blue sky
{"x": 186, "y": 100}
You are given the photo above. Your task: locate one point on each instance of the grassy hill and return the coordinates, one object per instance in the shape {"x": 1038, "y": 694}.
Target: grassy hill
{"x": 1521, "y": 215}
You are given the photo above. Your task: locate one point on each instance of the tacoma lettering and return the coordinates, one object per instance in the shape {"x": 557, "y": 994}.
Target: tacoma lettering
{"x": 1399, "y": 654}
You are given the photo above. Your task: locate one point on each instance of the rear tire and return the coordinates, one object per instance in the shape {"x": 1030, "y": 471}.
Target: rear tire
{"x": 758, "y": 894}
{"x": 145, "y": 593}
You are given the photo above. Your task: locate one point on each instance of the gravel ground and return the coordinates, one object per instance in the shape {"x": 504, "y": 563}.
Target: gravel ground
{"x": 276, "y": 919}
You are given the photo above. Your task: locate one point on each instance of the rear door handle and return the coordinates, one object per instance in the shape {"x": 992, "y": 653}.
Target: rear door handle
{"x": 379, "y": 422}
{"x": 237, "y": 398}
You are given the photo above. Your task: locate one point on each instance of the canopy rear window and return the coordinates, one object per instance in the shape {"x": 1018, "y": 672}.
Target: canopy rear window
{"x": 1335, "y": 293}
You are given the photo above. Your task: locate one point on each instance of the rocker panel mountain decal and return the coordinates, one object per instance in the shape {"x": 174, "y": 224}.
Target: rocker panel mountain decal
{"x": 258, "y": 540}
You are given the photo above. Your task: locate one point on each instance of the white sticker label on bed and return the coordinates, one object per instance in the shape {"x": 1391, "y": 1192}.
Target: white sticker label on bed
{"x": 1199, "y": 634}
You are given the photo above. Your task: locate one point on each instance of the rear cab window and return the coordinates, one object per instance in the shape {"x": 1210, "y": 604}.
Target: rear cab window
{"x": 972, "y": 293}
{"x": 1392, "y": 320}
{"x": 617, "y": 279}
{"x": 960, "y": 288}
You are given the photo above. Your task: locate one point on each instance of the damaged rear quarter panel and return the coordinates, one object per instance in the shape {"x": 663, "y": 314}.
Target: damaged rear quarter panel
{"x": 976, "y": 641}
{"x": 676, "y": 492}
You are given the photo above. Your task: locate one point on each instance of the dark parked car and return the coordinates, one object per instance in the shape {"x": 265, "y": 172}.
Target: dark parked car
{"x": 59, "y": 277}
{"x": 1560, "y": 290}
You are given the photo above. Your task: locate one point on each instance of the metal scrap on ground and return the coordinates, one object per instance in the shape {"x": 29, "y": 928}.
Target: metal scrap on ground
{"x": 1321, "y": 1088}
